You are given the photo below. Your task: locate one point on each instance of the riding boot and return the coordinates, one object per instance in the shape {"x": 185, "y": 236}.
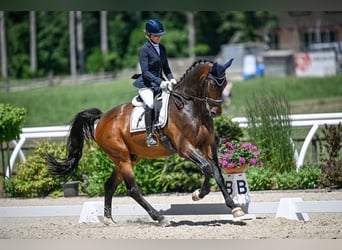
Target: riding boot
{"x": 150, "y": 141}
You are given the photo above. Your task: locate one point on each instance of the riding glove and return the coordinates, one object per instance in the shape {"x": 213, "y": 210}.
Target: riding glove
{"x": 164, "y": 84}
{"x": 173, "y": 81}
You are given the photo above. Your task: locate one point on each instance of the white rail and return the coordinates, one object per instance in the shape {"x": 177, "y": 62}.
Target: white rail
{"x": 34, "y": 133}
{"x": 314, "y": 121}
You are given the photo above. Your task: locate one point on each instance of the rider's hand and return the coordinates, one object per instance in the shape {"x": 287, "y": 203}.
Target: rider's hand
{"x": 164, "y": 84}
{"x": 173, "y": 81}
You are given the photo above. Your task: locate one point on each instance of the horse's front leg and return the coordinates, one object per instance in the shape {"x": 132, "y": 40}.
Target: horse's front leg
{"x": 209, "y": 169}
{"x": 236, "y": 210}
{"x": 199, "y": 194}
{"x": 206, "y": 168}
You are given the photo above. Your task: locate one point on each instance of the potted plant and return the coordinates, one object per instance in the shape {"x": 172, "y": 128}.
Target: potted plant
{"x": 235, "y": 157}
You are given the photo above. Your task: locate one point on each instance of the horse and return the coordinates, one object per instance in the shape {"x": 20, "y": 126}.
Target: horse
{"x": 194, "y": 101}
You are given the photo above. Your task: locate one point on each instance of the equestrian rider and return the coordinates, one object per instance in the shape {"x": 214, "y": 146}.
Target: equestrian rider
{"x": 153, "y": 63}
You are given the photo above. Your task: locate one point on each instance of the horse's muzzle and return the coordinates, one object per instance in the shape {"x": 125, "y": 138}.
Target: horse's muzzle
{"x": 215, "y": 111}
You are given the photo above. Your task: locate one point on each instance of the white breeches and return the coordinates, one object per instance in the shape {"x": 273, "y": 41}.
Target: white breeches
{"x": 147, "y": 95}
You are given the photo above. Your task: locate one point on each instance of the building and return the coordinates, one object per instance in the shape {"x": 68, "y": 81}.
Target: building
{"x": 301, "y": 30}
{"x": 309, "y": 32}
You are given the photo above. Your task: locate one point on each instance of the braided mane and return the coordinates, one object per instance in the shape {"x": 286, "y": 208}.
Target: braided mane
{"x": 200, "y": 61}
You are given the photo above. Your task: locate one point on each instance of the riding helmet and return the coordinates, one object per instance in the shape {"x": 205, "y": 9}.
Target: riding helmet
{"x": 154, "y": 27}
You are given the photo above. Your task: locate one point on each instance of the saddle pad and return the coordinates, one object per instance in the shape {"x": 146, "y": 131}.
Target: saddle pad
{"x": 137, "y": 120}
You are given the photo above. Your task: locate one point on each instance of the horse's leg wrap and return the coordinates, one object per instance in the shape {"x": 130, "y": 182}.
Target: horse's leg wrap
{"x": 237, "y": 212}
{"x": 195, "y": 195}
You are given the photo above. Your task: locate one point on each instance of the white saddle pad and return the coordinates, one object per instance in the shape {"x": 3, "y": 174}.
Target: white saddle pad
{"x": 137, "y": 121}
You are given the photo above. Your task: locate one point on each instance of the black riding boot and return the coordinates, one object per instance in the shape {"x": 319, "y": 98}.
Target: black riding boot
{"x": 150, "y": 141}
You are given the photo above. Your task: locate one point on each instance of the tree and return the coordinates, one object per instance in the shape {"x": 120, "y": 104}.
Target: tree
{"x": 103, "y": 28}
{"x": 3, "y": 46}
{"x": 79, "y": 38}
{"x": 53, "y": 43}
{"x": 72, "y": 39}
{"x": 33, "y": 42}
{"x": 191, "y": 30}
{"x": 247, "y": 26}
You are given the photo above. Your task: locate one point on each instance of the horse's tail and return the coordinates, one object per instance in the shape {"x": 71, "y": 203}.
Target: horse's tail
{"x": 82, "y": 129}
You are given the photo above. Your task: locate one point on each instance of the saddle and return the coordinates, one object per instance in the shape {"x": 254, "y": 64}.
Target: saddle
{"x": 137, "y": 120}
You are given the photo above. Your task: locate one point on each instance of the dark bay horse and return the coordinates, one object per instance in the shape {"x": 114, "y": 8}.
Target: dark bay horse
{"x": 193, "y": 103}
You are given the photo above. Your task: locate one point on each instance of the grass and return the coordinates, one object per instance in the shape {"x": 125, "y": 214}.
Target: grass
{"x": 305, "y": 95}
{"x": 57, "y": 105}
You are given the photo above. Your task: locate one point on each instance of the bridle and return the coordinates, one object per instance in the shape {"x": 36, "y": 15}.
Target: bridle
{"x": 219, "y": 81}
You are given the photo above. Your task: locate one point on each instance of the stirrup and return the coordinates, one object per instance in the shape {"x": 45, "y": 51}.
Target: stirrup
{"x": 150, "y": 141}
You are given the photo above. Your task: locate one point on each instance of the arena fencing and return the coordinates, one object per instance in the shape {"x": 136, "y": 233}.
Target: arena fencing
{"x": 313, "y": 121}
{"x": 92, "y": 211}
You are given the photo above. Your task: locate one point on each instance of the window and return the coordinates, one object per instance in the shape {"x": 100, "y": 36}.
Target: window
{"x": 312, "y": 37}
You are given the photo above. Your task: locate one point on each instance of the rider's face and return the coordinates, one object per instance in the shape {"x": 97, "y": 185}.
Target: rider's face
{"x": 155, "y": 38}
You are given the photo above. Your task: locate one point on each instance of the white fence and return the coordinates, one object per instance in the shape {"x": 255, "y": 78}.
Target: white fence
{"x": 33, "y": 133}
{"x": 314, "y": 121}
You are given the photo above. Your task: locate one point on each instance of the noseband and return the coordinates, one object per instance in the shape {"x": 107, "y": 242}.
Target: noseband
{"x": 219, "y": 81}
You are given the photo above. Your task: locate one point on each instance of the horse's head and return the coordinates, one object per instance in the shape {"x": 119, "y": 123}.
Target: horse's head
{"x": 216, "y": 82}
{"x": 204, "y": 81}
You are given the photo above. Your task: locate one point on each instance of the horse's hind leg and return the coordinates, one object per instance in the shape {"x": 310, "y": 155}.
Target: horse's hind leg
{"x": 134, "y": 191}
{"x": 110, "y": 186}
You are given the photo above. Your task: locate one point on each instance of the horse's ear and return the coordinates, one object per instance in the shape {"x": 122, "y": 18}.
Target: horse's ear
{"x": 227, "y": 65}
{"x": 218, "y": 69}
{"x": 214, "y": 68}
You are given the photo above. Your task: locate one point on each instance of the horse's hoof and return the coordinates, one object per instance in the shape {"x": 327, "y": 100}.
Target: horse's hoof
{"x": 195, "y": 195}
{"x": 237, "y": 212}
{"x": 164, "y": 222}
{"x": 108, "y": 221}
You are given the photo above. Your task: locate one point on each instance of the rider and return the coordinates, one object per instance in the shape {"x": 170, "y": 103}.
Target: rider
{"x": 153, "y": 63}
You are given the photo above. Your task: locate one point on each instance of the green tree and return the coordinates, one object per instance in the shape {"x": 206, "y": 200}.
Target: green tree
{"x": 53, "y": 42}
{"x": 18, "y": 40}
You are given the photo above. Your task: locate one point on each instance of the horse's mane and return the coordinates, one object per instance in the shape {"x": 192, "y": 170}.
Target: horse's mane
{"x": 200, "y": 61}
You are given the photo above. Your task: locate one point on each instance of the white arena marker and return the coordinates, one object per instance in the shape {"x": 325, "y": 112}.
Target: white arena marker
{"x": 237, "y": 187}
{"x": 287, "y": 209}
{"x": 92, "y": 211}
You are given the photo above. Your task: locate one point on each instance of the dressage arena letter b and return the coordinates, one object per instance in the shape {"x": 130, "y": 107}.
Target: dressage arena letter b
{"x": 229, "y": 186}
{"x": 241, "y": 186}
{"x": 237, "y": 188}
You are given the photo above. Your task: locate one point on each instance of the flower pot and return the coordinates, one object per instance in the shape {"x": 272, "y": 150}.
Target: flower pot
{"x": 238, "y": 170}
{"x": 70, "y": 188}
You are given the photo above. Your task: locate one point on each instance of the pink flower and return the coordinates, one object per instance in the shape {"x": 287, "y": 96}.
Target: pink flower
{"x": 233, "y": 154}
{"x": 252, "y": 161}
{"x": 242, "y": 160}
